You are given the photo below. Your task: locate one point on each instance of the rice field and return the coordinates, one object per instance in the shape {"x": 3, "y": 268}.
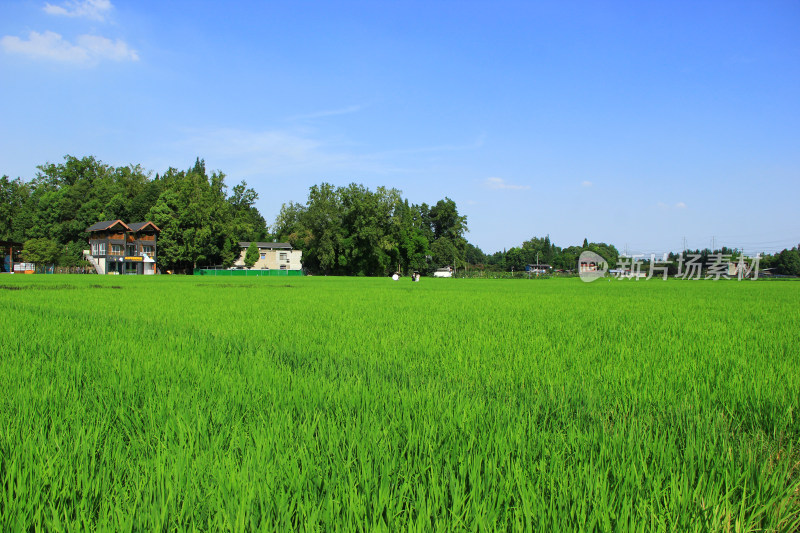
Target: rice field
{"x": 339, "y": 404}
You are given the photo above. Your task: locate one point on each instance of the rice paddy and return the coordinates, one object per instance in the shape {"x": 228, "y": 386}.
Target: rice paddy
{"x": 240, "y": 404}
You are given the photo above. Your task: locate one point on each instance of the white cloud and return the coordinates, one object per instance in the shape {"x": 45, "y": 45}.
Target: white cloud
{"x": 234, "y": 143}
{"x": 87, "y": 50}
{"x": 586, "y": 183}
{"x": 667, "y": 207}
{"x": 272, "y": 152}
{"x": 103, "y": 48}
{"x": 500, "y": 183}
{"x": 91, "y": 9}
{"x": 284, "y": 152}
{"x": 435, "y": 149}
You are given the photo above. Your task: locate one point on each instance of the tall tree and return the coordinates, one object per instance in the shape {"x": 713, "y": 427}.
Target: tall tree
{"x": 445, "y": 220}
{"x": 787, "y": 262}
{"x": 289, "y": 226}
{"x": 474, "y": 255}
{"x": 251, "y": 256}
{"x": 322, "y": 219}
{"x": 409, "y": 232}
{"x": 369, "y": 245}
{"x": 14, "y": 195}
{"x": 192, "y": 213}
{"x": 353, "y": 230}
{"x": 41, "y": 251}
{"x": 448, "y": 245}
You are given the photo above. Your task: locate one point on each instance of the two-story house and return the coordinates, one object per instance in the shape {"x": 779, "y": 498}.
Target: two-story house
{"x": 119, "y": 248}
{"x": 273, "y": 255}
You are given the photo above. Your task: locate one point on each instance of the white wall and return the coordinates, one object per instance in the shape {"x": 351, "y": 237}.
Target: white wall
{"x": 274, "y": 260}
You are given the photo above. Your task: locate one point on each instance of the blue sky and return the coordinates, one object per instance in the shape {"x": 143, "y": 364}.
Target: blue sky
{"x": 634, "y": 123}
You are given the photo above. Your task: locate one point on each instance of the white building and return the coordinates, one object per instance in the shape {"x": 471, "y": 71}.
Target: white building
{"x": 273, "y": 255}
{"x": 444, "y": 272}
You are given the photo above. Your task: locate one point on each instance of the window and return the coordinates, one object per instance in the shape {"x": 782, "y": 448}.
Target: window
{"x": 116, "y": 249}
{"x": 147, "y": 250}
{"x": 94, "y": 249}
{"x": 263, "y": 256}
{"x": 101, "y": 248}
{"x": 283, "y": 256}
{"x": 283, "y": 267}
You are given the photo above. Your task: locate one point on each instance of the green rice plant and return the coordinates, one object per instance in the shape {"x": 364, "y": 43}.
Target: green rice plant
{"x": 244, "y": 404}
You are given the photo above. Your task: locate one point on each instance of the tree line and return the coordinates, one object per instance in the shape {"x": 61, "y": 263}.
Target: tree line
{"x": 539, "y": 250}
{"x": 355, "y": 231}
{"x": 201, "y": 220}
{"x": 342, "y": 230}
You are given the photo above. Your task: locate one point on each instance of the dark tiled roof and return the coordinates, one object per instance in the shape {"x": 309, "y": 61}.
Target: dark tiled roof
{"x": 269, "y": 245}
{"x": 108, "y": 224}
{"x": 105, "y": 224}
{"x": 137, "y": 226}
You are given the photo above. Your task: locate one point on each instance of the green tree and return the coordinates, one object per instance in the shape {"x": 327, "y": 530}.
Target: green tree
{"x": 567, "y": 259}
{"x": 474, "y": 255}
{"x": 194, "y": 216}
{"x": 369, "y": 244}
{"x": 66, "y": 198}
{"x": 539, "y": 249}
{"x": 246, "y": 222}
{"x": 409, "y": 232}
{"x": 13, "y": 197}
{"x": 446, "y": 222}
{"x": 516, "y": 259}
{"x": 71, "y": 196}
{"x": 787, "y": 262}
{"x": 251, "y": 256}
{"x": 445, "y": 252}
{"x": 72, "y": 254}
{"x": 200, "y": 223}
{"x": 41, "y": 251}
{"x": 496, "y": 261}
{"x": 289, "y": 226}
{"x": 353, "y": 230}
{"x": 607, "y": 251}
{"x": 322, "y": 222}
{"x": 448, "y": 227}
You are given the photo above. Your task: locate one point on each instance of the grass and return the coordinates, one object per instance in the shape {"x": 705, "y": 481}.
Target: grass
{"x": 186, "y": 403}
